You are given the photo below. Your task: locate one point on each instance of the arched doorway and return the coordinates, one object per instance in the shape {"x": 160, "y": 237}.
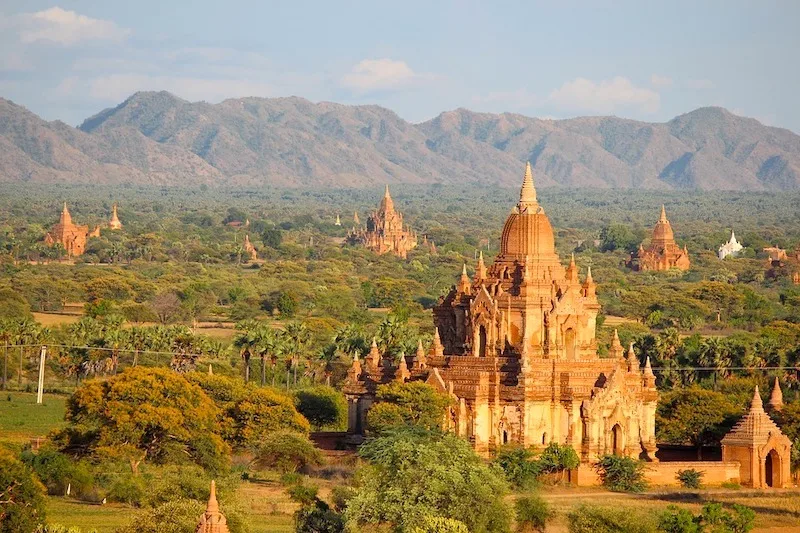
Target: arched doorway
{"x": 482, "y": 341}
{"x": 617, "y": 444}
{"x": 772, "y": 469}
{"x": 569, "y": 343}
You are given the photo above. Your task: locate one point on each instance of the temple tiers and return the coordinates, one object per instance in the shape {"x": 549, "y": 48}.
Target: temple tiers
{"x": 114, "y": 223}
{"x": 212, "y": 521}
{"x": 515, "y": 348}
{"x": 730, "y": 248}
{"x": 71, "y": 236}
{"x": 384, "y": 231}
{"x": 763, "y": 451}
{"x": 662, "y": 253}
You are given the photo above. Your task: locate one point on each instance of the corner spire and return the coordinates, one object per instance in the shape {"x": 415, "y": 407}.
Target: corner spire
{"x": 756, "y": 404}
{"x": 527, "y": 195}
{"x": 438, "y": 347}
{"x": 776, "y": 397}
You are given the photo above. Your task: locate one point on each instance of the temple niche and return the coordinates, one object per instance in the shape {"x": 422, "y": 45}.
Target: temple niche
{"x": 515, "y": 347}
{"x": 69, "y": 235}
{"x": 662, "y": 253}
{"x": 384, "y": 231}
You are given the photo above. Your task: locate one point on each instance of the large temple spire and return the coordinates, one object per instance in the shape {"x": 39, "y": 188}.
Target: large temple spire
{"x": 66, "y": 218}
{"x": 527, "y": 195}
{"x": 663, "y": 217}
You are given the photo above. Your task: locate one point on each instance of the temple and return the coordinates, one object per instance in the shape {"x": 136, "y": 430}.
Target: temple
{"x": 515, "y": 347}
{"x": 384, "y": 231}
{"x": 760, "y": 447}
{"x": 212, "y": 520}
{"x": 114, "y": 224}
{"x": 249, "y": 249}
{"x": 730, "y": 248}
{"x": 70, "y": 236}
{"x": 662, "y": 253}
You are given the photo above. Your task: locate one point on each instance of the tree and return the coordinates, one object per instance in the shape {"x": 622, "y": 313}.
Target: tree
{"x": 412, "y": 475}
{"x": 272, "y": 237}
{"x": 14, "y": 305}
{"x": 22, "y": 500}
{"x": 597, "y": 519}
{"x": 287, "y": 451}
{"x": 621, "y": 474}
{"x": 166, "y": 306}
{"x": 532, "y": 514}
{"x": 322, "y": 406}
{"x": 697, "y": 416}
{"x": 145, "y": 414}
{"x": 413, "y": 403}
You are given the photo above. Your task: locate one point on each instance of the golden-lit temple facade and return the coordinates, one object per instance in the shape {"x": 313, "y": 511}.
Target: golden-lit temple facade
{"x": 516, "y": 349}
{"x": 384, "y": 231}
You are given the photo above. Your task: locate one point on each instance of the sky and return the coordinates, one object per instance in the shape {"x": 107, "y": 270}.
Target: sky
{"x": 640, "y": 59}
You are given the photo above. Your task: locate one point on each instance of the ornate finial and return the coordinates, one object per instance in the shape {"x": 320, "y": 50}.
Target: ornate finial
{"x": 480, "y": 270}
{"x": 589, "y": 278}
{"x": 647, "y": 368}
{"x": 386, "y": 193}
{"x": 374, "y": 357}
{"x": 633, "y": 361}
{"x": 213, "y": 504}
{"x": 776, "y": 397}
{"x": 212, "y": 521}
{"x": 420, "y": 349}
{"x": 616, "y": 347}
{"x": 66, "y": 218}
{"x": 663, "y": 217}
{"x": 756, "y": 404}
{"x": 527, "y": 195}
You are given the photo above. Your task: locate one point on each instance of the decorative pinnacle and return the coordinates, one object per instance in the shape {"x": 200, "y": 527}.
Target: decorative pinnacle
{"x": 756, "y": 404}
{"x": 663, "y": 217}
{"x": 420, "y": 349}
{"x": 589, "y": 278}
{"x": 527, "y": 195}
{"x": 213, "y": 504}
{"x": 647, "y": 368}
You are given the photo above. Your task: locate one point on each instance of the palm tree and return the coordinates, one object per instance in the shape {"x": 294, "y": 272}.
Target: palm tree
{"x": 246, "y": 340}
{"x": 714, "y": 353}
{"x": 297, "y": 336}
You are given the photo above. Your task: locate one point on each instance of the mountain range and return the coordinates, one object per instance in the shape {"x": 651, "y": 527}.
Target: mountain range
{"x": 158, "y": 138}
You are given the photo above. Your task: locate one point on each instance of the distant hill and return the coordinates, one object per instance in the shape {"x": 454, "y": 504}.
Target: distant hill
{"x": 159, "y": 138}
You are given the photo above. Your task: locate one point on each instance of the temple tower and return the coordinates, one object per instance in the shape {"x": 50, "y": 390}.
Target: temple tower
{"x": 212, "y": 521}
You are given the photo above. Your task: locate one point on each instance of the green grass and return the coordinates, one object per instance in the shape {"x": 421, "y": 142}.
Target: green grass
{"x": 87, "y": 516}
{"x": 21, "y": 419}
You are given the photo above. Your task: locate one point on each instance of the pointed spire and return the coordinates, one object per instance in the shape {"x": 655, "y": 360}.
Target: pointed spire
{"x": 480, "y": 270}
{"x": 213, "y": 504}
{"x": 402, "y": 373}
{"x": 648, "y": 370}
{"x": 212, "y": 520}
{"x": 438, "y": 347}
{"x": 663, "y": 217}
{"x": 374, "y": 357}
{"x": 210, "y": 370}
{"x": 572, "y": 270}
{"x": 756, "y": 404}
{"x": 776, "y": 397}
{"x": 386, "y": 194}
{"x": 633, "y": 361}
{"x": 589, "y": 278}
{"x": 617, "y": 350}
{"x": 420, "y": 349}
{"x": 464, "y": 283}
{"x": 527, "y": 195}
{"x": 66, "y": 218}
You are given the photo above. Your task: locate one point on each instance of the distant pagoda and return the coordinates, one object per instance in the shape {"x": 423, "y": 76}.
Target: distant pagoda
{"x": 71, "y": 236}
{"x": 384, "y": 231}
{"x": 212, "y": 520}
{"x": 114, "y": 224}
{"x": 662, "y": 252}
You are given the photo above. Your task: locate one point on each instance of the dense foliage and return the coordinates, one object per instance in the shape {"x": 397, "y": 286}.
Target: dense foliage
{"x": 21, "y": 496}
{"x": 408, "y": 404}
{"x": 621, "y": 474}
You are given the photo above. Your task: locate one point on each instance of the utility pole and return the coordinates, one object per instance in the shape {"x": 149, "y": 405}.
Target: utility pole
{"x": 42, "y": 356}
{"x": 19, "y": 372}
{"x": 5, "y": 365}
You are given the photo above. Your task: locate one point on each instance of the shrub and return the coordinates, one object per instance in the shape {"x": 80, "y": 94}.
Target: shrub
{"x": 323, "y": 407}
{"x": 739, "y": 521}
{"x": 557, "y": 458}
{"x": 438, "y": 524}
{"x": 690, "y": 478}
{"x": 621, "y": 474}
{"x": 303, "y": 494}
{"x": 287, "y": 451}
{"x": 340, "y": 494}
{"x": 58, "y": 471}
{"x": 678, "y": 520}
{"x": 532, "y": 514}
{"x": 520, "y": 466}
{"x": 128, "y": 488}
{"x": 22, "y": 499}
{"x": 595, "y": 519}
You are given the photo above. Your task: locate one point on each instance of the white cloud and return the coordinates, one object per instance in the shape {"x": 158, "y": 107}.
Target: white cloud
{"x": 59, "y": 26}
{"x": 606, "y": 96}
{"x": 380, "y": 74}
{"x": 117, "y": 87}
{"x": 657, "y": 80}
{"x": 700, "y": 84}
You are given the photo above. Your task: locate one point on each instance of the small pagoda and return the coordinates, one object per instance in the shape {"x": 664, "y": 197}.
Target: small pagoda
{"x": 212, "y": 521}
{"x": 662, "y": 253}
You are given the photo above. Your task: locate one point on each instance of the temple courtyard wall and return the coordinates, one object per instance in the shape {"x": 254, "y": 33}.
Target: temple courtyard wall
{"x": 665, "y": 474}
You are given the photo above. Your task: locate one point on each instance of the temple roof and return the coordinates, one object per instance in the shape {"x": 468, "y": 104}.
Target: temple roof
{"x": 663, "y": 230}
{"x": 755, "y": 427}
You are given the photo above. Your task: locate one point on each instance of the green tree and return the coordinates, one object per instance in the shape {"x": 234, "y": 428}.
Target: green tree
{"x": 697, "y": 416}
{"x": 143, "y": 414}
{"x": 412, "y": 475}
{"x": 413, "y": 403}
{"x": 322, "y": 407}
{"x": 621, "y": 474}
{"x": 287, "y": 451}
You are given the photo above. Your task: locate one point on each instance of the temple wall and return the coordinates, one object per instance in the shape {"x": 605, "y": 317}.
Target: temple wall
{"x": 664, "y": 474}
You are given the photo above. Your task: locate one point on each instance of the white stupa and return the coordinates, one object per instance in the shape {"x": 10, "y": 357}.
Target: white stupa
{"x": 732, "y": 247}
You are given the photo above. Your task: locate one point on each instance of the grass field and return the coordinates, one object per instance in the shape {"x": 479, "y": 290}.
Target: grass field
{"x": 21, "y": 419}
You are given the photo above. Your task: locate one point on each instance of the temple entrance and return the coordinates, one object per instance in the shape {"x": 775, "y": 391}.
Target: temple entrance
{"x": 772, "y": 469}
{"x": 569, "y": 343}
{"x": 616, "y": 439}
{"x": 482, "y": 342}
